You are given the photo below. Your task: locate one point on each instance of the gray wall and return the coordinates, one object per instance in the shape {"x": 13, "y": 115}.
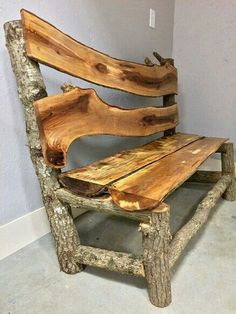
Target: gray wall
{"x": 119, "y": 28}
{"x": 204, "y": 49}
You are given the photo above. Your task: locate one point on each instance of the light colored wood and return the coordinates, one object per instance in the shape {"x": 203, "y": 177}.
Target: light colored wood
{"x": 159, "y": 179}
{"x": 93, "y": 179}
{"x": 50, "y": 46}
{"x": 186, "y": 233}
{"x": 133, "y": 202}
{"x": 31, "y": 87}
{"x": 65, "y": 117}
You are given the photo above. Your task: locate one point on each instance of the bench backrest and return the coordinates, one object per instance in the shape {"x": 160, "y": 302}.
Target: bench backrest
{"x": 65, "y": 117}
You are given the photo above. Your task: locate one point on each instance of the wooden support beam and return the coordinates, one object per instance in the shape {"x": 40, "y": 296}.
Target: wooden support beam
{"x": 123, "y": 263}
{"x": 222, "y": 148}
{"x": 159, "y": 256}
{"x": 101, "y": 204}
{"x": 31, "y": 88}
{"x": 156, "y": 238}
{"x": 228, "y": 167}
{"x": 168, "y": 100}
{"x": 185, "y": 234}
{"x": 203, "y": 176}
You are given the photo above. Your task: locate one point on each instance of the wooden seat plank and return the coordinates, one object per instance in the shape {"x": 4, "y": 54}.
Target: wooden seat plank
{"x": 157, "y": 180}
{"x": 92, "y": 179}
{"x": 50, "y": 46}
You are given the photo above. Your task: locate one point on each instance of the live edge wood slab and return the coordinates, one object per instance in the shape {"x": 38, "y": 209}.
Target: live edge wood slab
{"x": 104, "y": 172}
{"x": 144, "y": 179}
{"x": 158, "y": 180}
{"x": 65, "y": 117}
{"x": 50, "y": 46}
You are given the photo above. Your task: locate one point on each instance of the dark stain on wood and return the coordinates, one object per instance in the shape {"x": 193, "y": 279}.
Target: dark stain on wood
{"x": 80, "y": 187}
{"x": 101, "y": 68}
{"x": 55, "y": 157}
{"x": 127, "y": 65}
{"x": 147, "y": 81}
{"x": 84, "y": 102}
{"x": 153, "y": 119}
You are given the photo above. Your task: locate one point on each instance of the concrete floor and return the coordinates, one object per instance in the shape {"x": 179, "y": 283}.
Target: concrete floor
{"x": 204, "y": 281}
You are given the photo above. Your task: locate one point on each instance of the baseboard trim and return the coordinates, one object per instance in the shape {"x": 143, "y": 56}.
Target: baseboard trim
{"x": 22, "y": 231}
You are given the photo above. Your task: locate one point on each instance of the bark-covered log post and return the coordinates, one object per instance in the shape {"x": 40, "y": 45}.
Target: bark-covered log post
{"x": 227, "y": 157}
{"x": 30, "y": 88}
{"x": 156, "y": 239}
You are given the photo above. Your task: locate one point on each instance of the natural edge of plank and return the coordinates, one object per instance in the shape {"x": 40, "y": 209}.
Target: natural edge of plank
{"x": 101, "y": 69}
{"x": 131, "y": 202}
{"x": 103, "y": 204}
{"x": 65, "y": 117}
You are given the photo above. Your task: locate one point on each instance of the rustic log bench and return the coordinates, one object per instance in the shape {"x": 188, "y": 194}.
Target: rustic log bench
{"x": 132, "y": 183}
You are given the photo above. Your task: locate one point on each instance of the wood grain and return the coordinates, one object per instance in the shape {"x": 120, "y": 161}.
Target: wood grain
{"x": 68, "y": 116}
{"x": 94, "y": 178}
{"x": 159, "y": 179}
{"x": 50, "y": 46}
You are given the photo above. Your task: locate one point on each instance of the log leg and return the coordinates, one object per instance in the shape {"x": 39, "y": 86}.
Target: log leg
{"x": 227, "y": 158}
{"x": 30, "y": 88}
{"x": 156, "y": 238}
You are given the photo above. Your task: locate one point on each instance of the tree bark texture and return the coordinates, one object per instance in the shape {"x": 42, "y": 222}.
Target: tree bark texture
{"x": 185, "y": 234}
{"x": 156, "y": 239}
{"x": 123, "y": 263}
{"x": 228, "y": 167}
{"x": 30, "y": 88}
{"x": 204, "y": 176}
{"x": 101, "y": 204}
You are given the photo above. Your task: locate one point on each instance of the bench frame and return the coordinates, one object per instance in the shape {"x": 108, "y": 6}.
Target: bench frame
{"x": 160, "y": 253}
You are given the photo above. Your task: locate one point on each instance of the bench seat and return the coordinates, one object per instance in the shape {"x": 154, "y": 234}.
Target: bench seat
{"x": 141, "y": 178}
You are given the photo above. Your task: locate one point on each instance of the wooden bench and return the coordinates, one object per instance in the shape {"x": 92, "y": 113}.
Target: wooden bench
{"x": 132, "y": 183}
